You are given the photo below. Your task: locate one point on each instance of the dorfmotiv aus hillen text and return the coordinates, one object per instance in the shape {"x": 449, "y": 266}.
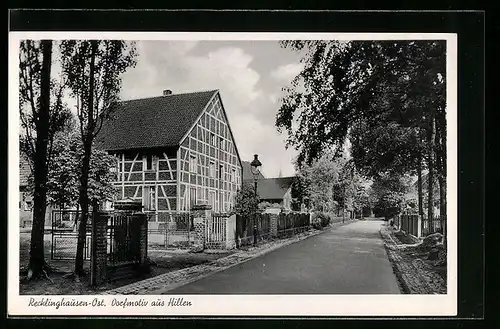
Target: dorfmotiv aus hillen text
{"x": 178, "y": 302}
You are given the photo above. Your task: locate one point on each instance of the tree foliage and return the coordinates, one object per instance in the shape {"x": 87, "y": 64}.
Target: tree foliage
{"x": 63, "y": 183}
{"x": 246, "y": 202}
{"x": 345, "y": 83}
{"x": 332, "y": 183}
{"x": 63, "y": 173}
{"x": 386, "y": 97}
{"x": 389, "y": 193}
{"x": 318, "y": 181}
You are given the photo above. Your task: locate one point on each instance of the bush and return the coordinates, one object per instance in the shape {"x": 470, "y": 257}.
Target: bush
{"x": 320, "y": 220}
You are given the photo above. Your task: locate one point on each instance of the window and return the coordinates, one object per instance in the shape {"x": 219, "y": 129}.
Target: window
{"x": 221, "y": 172}
{"x": 151, "y": 162}
{"x": 211, "y": 169}
{"x": 192, "y": 196}
{"x": 150, "y": 198}
{"x": 233, "y": 175}
{"x": 211, "y": 199}
{"x": 213, "y": 140}
{"x": 222, "y": 144}
{"x": 193, "y": 165}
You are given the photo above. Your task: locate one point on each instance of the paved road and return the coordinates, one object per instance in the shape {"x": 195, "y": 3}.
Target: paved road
{"x": 350, "y": 259}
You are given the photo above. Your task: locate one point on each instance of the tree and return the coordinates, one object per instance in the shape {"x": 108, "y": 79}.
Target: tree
{"x": 40, "y": 120}
{"x": 362, "y": 201}
{"x": 299, "y": 194}
{"x": 318, "y": 180}
{"x": 389, "y": 193}
{"x": 348, "y": 84}
{"x": 246, "y": 202}
{"x": 349, "y": 188}
{"x": 387, "y": 148}
{"x": 63, "y": 183}
{"x": 93, "y": 69}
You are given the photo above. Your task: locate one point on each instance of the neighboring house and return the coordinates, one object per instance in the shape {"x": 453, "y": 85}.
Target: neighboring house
{"x": 276, "y": 190}
{"x": 247, "y": 172}
{"x": 174, "y": 151}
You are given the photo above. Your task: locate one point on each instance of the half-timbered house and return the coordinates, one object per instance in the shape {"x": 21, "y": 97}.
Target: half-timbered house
{"x": 173, "y": 151}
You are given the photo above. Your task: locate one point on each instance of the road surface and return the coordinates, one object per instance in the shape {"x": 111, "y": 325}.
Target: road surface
{"x": 350, "y": 259}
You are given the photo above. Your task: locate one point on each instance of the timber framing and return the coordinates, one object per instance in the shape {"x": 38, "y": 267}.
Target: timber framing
{"x": 204, "y": 168}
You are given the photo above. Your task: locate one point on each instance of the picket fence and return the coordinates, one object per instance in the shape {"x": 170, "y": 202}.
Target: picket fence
{"x": 413, "y": 224}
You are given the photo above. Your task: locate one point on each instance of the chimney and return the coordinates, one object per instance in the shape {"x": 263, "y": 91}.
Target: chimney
{"x": 167, "y": 92}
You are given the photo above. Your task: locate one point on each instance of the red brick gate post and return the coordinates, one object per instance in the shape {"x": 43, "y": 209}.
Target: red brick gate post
{"x": 98, "y": 261}
{"x": 202, "y": 214}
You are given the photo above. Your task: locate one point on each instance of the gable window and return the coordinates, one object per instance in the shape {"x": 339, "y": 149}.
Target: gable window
{"x": 222, "y": 143}
{"x": 193, "y": 163}
{"x": 150, "y": 162}
{"x": 233, "y": 175}
{"x": 213, "y": 139}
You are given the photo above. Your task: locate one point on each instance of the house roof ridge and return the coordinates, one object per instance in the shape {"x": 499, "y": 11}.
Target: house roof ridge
{"x": 173, "y": 94}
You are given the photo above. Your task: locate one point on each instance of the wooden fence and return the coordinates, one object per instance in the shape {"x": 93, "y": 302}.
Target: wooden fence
{"x": 270, "y": 226}
{"x": 432, "y": 226}
{"x": 292, "y": 223}
{"x": 413, "y": 224}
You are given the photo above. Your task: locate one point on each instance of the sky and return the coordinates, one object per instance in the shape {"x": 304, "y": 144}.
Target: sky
{"x": 249, "y": 76}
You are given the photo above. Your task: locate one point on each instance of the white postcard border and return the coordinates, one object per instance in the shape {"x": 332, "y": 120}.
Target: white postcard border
{"x": 237, "y": 305}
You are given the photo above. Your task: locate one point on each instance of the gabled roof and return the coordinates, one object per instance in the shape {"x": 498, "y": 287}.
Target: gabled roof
{"x": 152, "y": 122}
{"x": 273, "y": 188}
{"x": 247, "y": 171}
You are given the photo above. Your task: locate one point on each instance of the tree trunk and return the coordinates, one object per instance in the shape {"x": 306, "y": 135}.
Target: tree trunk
{"x": 37, "y": 259}
{"x": 84, "y": 204}
{"x": 419, "y": 187}
{"x": 84, "y": 177}
{"x": 440, "y": 161}
{"x": 430, "y": 178}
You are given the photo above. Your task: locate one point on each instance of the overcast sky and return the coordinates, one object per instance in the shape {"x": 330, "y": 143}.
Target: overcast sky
{"x": 249, "y": 75}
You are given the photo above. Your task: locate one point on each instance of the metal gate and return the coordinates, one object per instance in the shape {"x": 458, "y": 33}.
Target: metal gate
{"x": 64, "y": 235}
{"x": 166, "y": 230}
{"x": 215, "y": 232}
{"x": 123, "y": 232}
